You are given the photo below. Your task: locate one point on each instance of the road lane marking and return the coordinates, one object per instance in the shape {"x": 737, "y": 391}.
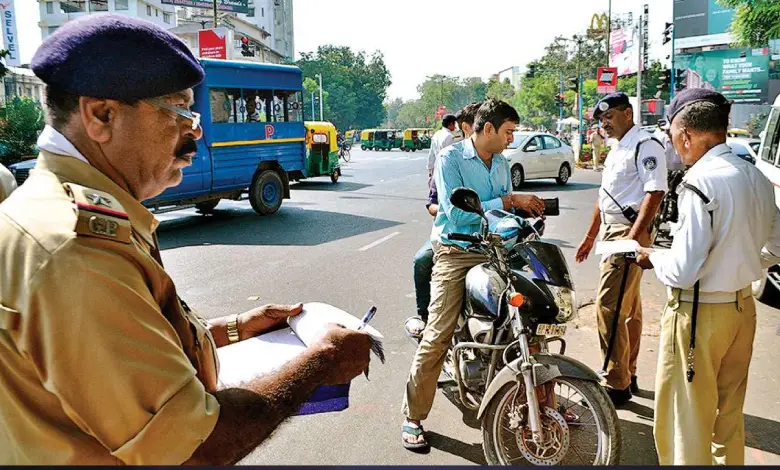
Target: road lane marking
{"x": 381, "y": 240}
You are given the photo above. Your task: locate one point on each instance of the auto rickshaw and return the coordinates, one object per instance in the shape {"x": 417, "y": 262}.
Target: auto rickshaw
{"x": 414, "y": 139}
{"x": 322, "y": 156}
{"x": 398, "y": 139}
{"x": 381, "y": 140}
{"x": 367, "y": 139}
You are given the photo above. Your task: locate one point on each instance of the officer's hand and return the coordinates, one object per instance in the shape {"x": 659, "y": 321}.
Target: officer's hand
{"x": 346, "y": 352}
{"x": 583, "y": 251}
{"x": 643, "y": 258}
{"x": 267, "y": 317}
{"x": 528, "y": 203}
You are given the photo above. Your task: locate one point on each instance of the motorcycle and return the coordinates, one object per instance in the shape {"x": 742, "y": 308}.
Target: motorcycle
{"x": 536, "y": 407}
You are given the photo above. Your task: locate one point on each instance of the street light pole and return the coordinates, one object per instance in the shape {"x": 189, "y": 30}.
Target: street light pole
{"x": 609, "y": 28}
{"x": 215, "y": 13}
{"x": 319, "y": 77}
{"x": 312, "y": 105}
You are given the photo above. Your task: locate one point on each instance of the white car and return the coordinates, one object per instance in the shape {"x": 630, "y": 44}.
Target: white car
{"x": 537, "y": 155}
{"x": 745, "y": 148}
{"x": 768, "y": 162}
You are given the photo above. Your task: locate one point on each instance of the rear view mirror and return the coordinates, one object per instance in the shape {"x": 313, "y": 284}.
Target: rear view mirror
{"x": 467, "y": 200}
{"x": 531, "y": 148}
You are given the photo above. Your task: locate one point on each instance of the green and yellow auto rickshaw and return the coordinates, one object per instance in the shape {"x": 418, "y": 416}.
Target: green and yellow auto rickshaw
{"x": 397, "y": 139}
{"x": 322, "y": 151}
{"x": 367, "y": 139}
{"x": 414, "y": 139}
{"x": 385, "y": 139}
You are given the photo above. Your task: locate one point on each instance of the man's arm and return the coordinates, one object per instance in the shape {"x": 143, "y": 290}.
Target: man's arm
{"x": 253, "y": 322}
{"x": 250, "y": 413}
{"x": 647, "y": 212}
{"x": 586, "y": 245}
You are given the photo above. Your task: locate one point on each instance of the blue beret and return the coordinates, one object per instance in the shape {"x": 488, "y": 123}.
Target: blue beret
{"x": 116, "y": 57}
{"x": 695, "y": 95}
{"x": 610, "y": 101}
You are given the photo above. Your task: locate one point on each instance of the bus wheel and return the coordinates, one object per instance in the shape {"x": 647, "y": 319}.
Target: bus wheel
{"x": 206, "y": 207}
{"x": 266, "y": 193}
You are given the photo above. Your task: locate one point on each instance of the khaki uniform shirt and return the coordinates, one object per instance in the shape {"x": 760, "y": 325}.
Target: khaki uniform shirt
{"x": 100, "y": 362}
{"x": 7, "y": 183}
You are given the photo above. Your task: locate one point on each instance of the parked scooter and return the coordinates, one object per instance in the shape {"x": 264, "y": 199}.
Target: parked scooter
{"x": 536, "y": 407}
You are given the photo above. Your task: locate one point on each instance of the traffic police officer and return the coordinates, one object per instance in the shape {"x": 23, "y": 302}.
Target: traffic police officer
{"x": 632, "y": 187}
{"x": 100, "y": 361}
{"x": 727, "y": 215}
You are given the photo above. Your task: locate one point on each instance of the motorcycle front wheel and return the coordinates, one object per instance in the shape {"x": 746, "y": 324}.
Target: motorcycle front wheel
{"x": 581, "y": 430}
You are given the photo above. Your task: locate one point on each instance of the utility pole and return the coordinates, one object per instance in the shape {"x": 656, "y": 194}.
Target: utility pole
{"x": 672, "y": 83}
{"x": 609, "y": 28}
{"x": 215, "y": 13}
{"x": 560, "y": 108}
{"x": 312, "y": 105}
{"x": 638, "y": 111}
{"x": 319, "y": 77}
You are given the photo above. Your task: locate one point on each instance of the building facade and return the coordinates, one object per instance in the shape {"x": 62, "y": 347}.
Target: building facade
{"x": 21, "y": 82}
{"x": 56, "y": 13}
{"x": 275, "y": 17}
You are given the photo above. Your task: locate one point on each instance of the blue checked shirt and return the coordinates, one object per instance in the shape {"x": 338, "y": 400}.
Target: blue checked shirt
{"x": 458, "y": 165}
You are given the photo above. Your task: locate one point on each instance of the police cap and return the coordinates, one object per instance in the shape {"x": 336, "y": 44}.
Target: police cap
{"x": 695, "y": 95}
{"x": 610, "y": 101}
{"x": 116, "y": 57}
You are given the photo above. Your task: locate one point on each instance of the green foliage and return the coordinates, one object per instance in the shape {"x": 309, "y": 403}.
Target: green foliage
{"x": 452, "y": 92}
{"x": 20, "y": 125}
{"x": 3, "y": 70}
{"x": 500, "y": 90}
{"x": 356, "y": 85}
{"x": 755, "y": 21}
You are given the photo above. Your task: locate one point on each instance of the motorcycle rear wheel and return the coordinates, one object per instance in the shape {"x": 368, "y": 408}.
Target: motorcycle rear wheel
{"x": 578, "y": 398}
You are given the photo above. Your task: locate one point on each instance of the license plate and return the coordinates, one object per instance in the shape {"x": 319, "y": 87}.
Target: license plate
{"x": 544, "y": 329}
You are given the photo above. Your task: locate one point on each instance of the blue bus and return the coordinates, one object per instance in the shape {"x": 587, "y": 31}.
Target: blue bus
{"x": 253, "y": 138}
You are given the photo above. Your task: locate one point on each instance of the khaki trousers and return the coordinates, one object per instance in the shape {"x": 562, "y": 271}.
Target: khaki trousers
{"x": 448, "y": 285}
{"x": 622, "y": 364}
{"x": 701, "y": 422}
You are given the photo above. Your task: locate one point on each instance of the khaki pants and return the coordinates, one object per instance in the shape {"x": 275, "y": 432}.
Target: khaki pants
{"x": 448, "y": 285}
{"x": 701, "y": 422}
{"x": 622, "y": 364}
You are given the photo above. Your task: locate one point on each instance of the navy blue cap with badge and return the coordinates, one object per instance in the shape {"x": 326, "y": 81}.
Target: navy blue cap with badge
{"x": 610, "y": 101}
{"x": 695, "y": 95}
{"x": 116, "y": 57}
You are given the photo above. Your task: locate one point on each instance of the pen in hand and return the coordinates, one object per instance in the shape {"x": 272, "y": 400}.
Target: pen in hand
{"x": 367, "y": 318}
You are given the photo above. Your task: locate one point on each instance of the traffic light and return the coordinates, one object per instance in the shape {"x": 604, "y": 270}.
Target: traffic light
{"x": 531, "y": 71}
{"x": 668, "y": 32}
{"x": 574, "y": 84}
{"x": 666, "y": 79}
{"x": 681, "y": 81}
{"x": 559, "y": 99}
{"x": 245, "y": 47}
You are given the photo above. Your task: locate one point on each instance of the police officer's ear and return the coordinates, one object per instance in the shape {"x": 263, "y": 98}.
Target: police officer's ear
{"x": 97, "y": 116}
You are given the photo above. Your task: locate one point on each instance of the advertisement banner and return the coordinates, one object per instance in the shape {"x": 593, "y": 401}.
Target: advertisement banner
{"x": 741, "y": 75}
{"x": 624, "y": 50}
{"x": 606, "y": 80}
{"x": 701, "y": 23}
{"x": 10, "y": 36}
{"x": 212, "y": 43}
{"x": 235, "y": 6}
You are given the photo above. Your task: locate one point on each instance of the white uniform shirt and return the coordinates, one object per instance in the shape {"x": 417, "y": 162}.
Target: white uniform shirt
{"x": 724, "y": 252}
{"x": 440, "y": 140}
{"x": 7, "y": 183}
{"x": 673, "y": 161}
{"x": 628, "y": 179}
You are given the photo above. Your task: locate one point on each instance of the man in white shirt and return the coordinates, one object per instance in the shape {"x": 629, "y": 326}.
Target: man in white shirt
{"x": 7, "y": 182}
{"x": 632, "y": 187}
{"x": 441, "y": 139}
{"x": 727, "y": 216}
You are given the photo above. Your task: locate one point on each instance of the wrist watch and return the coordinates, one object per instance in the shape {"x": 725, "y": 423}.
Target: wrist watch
{"x": 232, "y": 328}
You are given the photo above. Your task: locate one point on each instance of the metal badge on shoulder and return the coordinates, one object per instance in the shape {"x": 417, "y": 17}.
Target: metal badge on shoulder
{"x": 99, "y": 214}
{"x": 650, "y": 163}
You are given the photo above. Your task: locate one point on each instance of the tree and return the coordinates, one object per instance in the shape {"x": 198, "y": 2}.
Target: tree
{"x": 356, "y": 85}
{"x": 500, "y": 90}
{"x": 413, "y": 114}
{"x": 19, "y": 128}
{"x": 3, "y": 54}
{"x": 755, "y": 21}
{"x": 392, "y": 110}
{"x": 312, "y": 88}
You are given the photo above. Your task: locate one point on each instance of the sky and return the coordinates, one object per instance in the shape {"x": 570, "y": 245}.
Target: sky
{"x": 464, "y": 38}
{"x": 419, "y": 38}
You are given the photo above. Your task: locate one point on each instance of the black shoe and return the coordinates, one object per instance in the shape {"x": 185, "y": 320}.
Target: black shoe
{"x": 619, "y": 397}
{"x": 634, "y": 385}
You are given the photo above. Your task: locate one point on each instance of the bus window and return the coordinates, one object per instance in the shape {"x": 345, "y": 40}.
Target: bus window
{"x": 225, "y": 104}
{"x": 257, "y": 105}
{"x": 295, "y": 107}
{"x": 287, "y": 106}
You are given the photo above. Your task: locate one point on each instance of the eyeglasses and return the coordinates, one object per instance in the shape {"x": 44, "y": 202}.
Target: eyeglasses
{"x": 192, "y": 116}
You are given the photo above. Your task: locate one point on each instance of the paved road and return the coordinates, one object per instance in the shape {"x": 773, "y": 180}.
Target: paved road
{"x": 351, "y": 245}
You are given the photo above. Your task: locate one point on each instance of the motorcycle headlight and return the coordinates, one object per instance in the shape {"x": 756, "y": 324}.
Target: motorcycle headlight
{"x": 566, "y": 301}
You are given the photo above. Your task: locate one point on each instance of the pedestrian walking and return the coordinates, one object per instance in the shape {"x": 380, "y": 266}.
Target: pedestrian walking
{"x": 632, "y": 187}
{"x": 441, "y": 139}
{"x": 729, "y": 228}
{"x": 102, "y": 362}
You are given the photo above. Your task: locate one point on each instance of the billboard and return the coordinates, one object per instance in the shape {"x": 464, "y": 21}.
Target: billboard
{"x": 699, "y": 23}
{"x": 235, "y": 6}
{"x": 10, "y": 35}
{"x": 741, "y": 75}
{"x": 213, "y": 43}
{"x": 606, "y": 80}
{"x": 624, "y": 49}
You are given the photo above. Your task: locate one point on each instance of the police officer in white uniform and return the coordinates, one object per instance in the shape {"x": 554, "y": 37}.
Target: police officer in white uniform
{"x": 632, "y": 187}
{"x": 727, "y": 216}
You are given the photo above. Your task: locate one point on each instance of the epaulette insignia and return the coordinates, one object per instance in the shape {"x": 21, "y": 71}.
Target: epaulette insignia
{"x": 99, "y": 214}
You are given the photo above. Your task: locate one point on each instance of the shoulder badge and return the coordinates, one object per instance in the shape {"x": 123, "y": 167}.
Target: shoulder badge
{"x": 650, "y": 163}
{"x": 99, "y": 214}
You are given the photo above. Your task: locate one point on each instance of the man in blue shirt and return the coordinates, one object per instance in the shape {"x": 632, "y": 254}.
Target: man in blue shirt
{"x": 476, "y": 163}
